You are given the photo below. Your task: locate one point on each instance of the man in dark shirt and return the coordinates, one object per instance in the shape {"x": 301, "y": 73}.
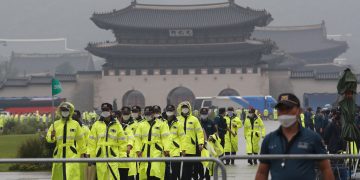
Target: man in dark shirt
{"x": 206, "y": 123}
{"x": 221, "y": 125}
{"x": 209, "y": 129}
{"x": 319, "y": 122}
{"x": 332, "y": 135}
{"x": 291, "y": 138}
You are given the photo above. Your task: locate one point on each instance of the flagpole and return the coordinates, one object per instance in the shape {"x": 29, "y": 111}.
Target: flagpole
{"x": 52, "y": 105}
{"x": 55, "y": 89}
{"x": 52, "y": 109}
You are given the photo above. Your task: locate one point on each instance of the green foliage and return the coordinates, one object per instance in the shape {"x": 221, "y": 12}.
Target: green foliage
{"x": 30, "y": 126}
{"x": 33, "y": 148}
{"x": 9, "y": 145}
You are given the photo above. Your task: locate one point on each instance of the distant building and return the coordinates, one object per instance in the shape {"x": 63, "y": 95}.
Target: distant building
{"x": 25, "y": 64}
{"x": 309, "y": 42}
{"x": 164, "y": 54}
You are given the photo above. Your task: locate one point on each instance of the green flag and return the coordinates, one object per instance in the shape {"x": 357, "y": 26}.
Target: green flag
{"x": 55, "y": 87}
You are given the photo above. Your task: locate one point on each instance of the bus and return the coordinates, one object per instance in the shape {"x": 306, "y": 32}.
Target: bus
{"x": 257, "y": 102}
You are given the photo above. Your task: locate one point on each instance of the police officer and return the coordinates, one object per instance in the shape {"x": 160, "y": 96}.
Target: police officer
{"x": 106, "y": 138}
{"x": 266, "y": 114}
{"x": 243, "y": 114}
{"x": 231, "y": 137}
{"x": 151, "y": 141}
{"x": 177, "y": 135}
{"x": 136, "y": 114}
{"x": 253, "y": 130}
{"x": 83, "y": 166}
{"x": 292, "y": 138}
{"x": 158, "y": 114}
{"x": 275, "y": 114}
{"x": 2, "y": 122}
{"x": 127, "y": 170}
{"x": 193, "y": 140}
{"x": 64, "y": 132}
{"x": 309, "y": 118}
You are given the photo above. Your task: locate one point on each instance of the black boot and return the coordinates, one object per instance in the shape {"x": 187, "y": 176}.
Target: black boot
{"x": 250, "y": 161}
{"x": 227, "y": 161}
{"x": 233, "y": 160}
{"x": 255, "y": 160}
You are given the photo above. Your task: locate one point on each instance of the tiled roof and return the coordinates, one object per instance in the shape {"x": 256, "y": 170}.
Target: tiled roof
{"x": 171, "y": 50}
{"x": 319, "y": 72}
{"x": 16, "y": 82}
{"x": 31, "y": 64}
{"x": 37, "y": 80}
{"x": 181, "y": 16}
{"x": 300, "y": 39}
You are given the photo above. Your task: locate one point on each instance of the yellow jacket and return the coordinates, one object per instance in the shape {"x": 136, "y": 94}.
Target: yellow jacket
{"x": 129, "y": 129}
{"x": 105, "y": 141}
{"x": 152, "y": 139}
{"x": 177, "y": 135}
{"x": 231, "y": 140}
{"x": 257, "y": 127}
{"x": 194, "y": 134}
{"x": 66, "y": 133}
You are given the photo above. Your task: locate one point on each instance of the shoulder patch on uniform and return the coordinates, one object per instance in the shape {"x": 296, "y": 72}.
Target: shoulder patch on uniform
{"x": 113, "y": 130}
{"x": 191, "y": 123}
{"x": 157, "y": 127}
{"x": 174, "y": 127}
{"x": 72, "y": 130}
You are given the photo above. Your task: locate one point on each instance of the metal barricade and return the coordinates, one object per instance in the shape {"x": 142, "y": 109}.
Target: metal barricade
{"x": 293, "y": 156}
{"x": 351, "y": 168}
{"x": 217, "y": 162}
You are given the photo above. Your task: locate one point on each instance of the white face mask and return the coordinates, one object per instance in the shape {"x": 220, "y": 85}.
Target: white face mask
{"x": 105, "y": 114}
{"x": 65, "y": 114}
{"x": 126, "y": 117}
{"x": 149, "y": 118}
{"x": 169, "y": 113}
{"x": 135, "y": 115}
{"x": 287, "y": 120}
{"x": 157, "y": 115}
{"x": 185, "y": 110}
{"x": 203, "y": 117}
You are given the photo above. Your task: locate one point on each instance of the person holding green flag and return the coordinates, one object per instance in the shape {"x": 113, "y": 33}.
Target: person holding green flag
{"x": 55, "y": 89}
{"x": 64, "y": 133}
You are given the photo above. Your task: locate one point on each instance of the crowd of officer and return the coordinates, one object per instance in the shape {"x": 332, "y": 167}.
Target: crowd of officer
{"x": 45, "y": 119}
{"x": 150, "y": 133}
